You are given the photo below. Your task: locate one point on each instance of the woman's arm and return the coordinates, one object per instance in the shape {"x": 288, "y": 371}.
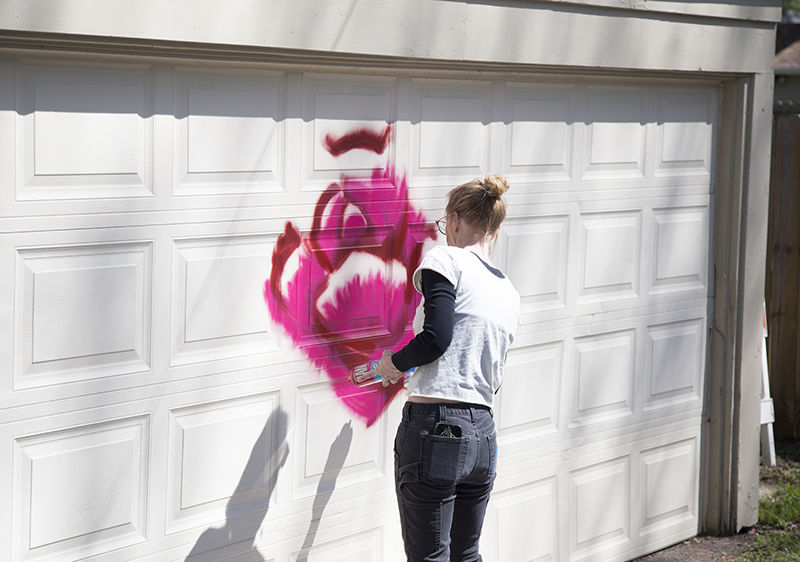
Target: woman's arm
{"x": 437, "y": 330}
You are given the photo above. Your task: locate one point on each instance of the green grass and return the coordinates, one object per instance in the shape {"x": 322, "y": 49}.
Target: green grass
{"x": 774, "y": 547}
{"x": 781, "y": 510}
{"x": 779, "y": 513}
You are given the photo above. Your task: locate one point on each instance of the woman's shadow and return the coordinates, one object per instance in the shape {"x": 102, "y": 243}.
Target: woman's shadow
{"x": 236, "y": 530}
{"x": 243, "y": 535}
{"x": 327, "y": 483}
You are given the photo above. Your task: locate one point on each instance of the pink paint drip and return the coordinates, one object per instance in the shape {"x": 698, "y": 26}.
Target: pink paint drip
{"x": 343, "y": 292}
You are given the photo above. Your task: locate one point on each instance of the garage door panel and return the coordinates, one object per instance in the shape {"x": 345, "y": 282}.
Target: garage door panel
{"x": 670, "y": 492}
{"x": 600, "y": 507}
{"x": 353, "y": 454}
{"x": 610, "y": 257}
{"x": 539, "y": 137}
{"x": 84, "y": 132}
{"x": 83, "y": 312}
{"x": 534, "y": 251}
{"x": 685, "y": 132}
{"x": 59, "y": 475}
{"x": 224, "y": 459}
{"x": 450, "y": 130}
{"x": 602, "y": 383}
{"x": 217, "y": 298}
{"x": 675, "y": 357}
{"x": 615, "y": 142}
{"x": 230, "y": 132}
{"x": 679, "y": 258}
{"x": 528, "y": 403}
{"x": 531, "y": 511}
{"x": 341, "y": 285}
{"x": 346, "y": 127}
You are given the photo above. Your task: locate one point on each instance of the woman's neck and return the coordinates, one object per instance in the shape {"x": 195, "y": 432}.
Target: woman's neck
{"x": 481, "y": 249}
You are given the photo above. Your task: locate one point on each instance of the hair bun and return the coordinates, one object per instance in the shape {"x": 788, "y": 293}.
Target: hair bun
{"x": 495, "y": 186}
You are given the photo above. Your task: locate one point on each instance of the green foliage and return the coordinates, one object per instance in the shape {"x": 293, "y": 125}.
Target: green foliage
{"x": 793, "y": 5}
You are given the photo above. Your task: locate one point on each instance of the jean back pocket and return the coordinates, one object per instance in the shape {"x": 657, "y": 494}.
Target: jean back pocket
{"x": 443, "y": 458}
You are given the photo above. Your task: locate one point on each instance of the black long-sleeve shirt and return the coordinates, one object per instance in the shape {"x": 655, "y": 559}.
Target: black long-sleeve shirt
{"x": 437, "y": 330}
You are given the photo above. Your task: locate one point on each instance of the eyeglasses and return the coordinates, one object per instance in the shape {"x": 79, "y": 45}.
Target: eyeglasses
{"x": 441, "y": 224}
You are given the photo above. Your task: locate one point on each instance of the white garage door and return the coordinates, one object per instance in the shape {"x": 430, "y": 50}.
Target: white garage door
{"x": 193, "y": 256}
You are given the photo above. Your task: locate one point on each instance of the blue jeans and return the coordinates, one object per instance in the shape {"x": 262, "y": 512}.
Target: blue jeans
{"x": 445, "y": 458}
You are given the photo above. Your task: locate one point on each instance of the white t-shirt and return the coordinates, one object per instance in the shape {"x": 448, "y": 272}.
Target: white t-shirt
{"x": 485, "y": 318}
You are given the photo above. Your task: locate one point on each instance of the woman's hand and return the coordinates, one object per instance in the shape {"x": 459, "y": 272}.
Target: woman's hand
{"x": 386, "y": 369}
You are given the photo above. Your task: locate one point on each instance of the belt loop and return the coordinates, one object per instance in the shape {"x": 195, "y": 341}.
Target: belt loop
{"x": 442, "y": 413}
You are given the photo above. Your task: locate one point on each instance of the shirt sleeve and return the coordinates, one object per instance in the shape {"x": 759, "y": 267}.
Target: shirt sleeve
{"x": 437, "y": 329}
{"x": 441, "y": 260}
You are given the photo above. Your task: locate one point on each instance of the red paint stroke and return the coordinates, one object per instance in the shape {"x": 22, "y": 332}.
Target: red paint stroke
{"x": 364, "y": 138}
{"x": 343, "y": 291}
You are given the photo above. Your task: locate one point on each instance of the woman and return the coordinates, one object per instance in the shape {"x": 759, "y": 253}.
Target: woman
{"x": 445, "y": 449}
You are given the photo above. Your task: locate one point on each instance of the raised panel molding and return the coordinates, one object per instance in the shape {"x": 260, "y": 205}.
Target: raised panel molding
{"x": 83, "y": 312}
{"x": 539, "y": 136}
{"x": 679, "y": 252}
{"x": 529, "y": 511}
{"x": 81, "y": 490}
{"x": 356, "y": 453}
{"x": 610, "y": 256}
{"x": 599, "y": 500}
{"x": 528, "y": 401}
{"x": 603, "y": 377}
{"x": 675, "y": 355}
{"x": 218, "y": 309}
{"x": 616, "y": 144}
{"x": 85, "y": 131}
{"x": 450, "y": 130}
{"x": 229, "y": 132}
{"x": 347, "y": 128}
{"x": 684, "y": 145}
{"x": 534, "y": 253}
{"x": 669, "y": 490}
{"x": 224, "y": 457}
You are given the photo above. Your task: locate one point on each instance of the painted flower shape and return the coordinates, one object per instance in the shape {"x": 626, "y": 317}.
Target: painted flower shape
{"x": 343, "y": 292}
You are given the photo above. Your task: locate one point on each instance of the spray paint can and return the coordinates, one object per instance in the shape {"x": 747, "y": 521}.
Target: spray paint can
{"x": 360, "y": 375}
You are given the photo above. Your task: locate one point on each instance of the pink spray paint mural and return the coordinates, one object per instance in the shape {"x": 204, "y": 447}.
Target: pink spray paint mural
{"x": 343, "y": 291}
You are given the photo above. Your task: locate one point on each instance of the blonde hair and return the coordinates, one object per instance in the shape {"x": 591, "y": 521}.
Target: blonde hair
{"x": 480, "y": 203}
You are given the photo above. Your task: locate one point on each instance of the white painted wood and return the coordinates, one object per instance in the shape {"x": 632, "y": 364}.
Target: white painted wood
{"x": 767, "y": 408}
{"x": 83, "y": 312}
{"x": 229, "y": 132}
{"x": 85, "y": 132}
{"x": 685, "y": 35}
{"x": 62, "y": 477}
{"x": 141, "y": 355}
